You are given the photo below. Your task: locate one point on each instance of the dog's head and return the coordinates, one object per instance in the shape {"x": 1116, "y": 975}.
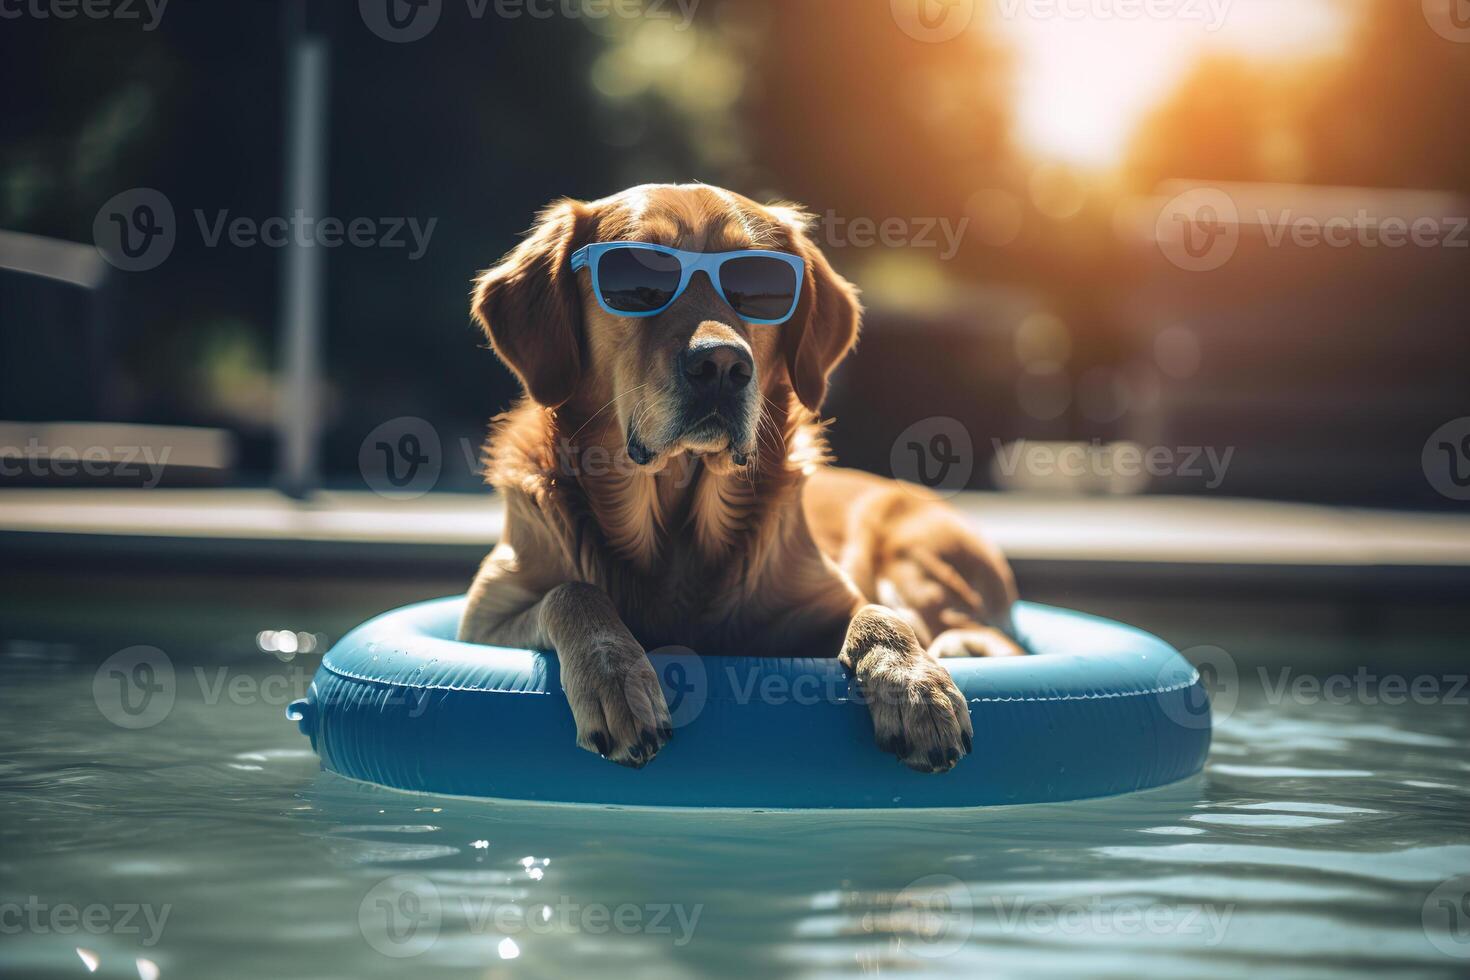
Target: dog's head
{"x": 694, "y": 377}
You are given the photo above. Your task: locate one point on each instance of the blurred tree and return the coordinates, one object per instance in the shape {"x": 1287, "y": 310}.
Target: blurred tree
{"x": 1223, "y": 122}
{"x": 1394, "y": 114}
{"x": 1387, "y": 113}
{"x": 858, "y": 117}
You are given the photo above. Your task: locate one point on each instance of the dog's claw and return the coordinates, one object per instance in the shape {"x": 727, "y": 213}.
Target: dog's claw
{"x": 898, "y": 745}
{"x": 923, "y": 721}
{"x": 616, "y": 701}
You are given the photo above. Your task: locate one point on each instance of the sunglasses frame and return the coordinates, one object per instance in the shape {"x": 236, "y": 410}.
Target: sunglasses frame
{"x": 590, "y": 257}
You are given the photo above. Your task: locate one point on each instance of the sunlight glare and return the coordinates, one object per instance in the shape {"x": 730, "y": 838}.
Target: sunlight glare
{"x": 1085, "y": 80}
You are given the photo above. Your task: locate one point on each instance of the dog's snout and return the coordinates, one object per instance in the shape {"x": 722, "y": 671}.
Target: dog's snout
{"x": 716, "y": 369}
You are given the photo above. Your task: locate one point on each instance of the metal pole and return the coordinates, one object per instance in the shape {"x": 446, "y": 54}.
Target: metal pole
{"x": 298, "y": 423}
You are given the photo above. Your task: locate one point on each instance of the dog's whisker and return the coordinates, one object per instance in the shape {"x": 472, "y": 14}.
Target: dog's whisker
{"x": 764, "y": 440}
{"x": 640, "y": 411}
{"x": 604, "y": 408}
{"x": 766, "y": 433}
{"x": 776, "y": 431}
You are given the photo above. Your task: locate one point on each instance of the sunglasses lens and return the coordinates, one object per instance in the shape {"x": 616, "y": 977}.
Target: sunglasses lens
{"x": 758, "y": 288}
{"x": 638, "y": 280}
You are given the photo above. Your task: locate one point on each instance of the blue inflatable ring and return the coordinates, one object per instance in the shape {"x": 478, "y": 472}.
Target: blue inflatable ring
{"x": 1099, "y": 709}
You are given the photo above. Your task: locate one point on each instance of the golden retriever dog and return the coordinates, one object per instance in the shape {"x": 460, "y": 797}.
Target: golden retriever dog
{"x": 665, "y": 482}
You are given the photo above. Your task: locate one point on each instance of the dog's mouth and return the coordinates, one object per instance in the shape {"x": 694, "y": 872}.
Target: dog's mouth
{"x": 713, "y": 434}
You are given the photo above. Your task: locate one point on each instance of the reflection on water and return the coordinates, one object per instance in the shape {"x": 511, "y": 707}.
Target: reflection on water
{"x": 1323, "y": 838}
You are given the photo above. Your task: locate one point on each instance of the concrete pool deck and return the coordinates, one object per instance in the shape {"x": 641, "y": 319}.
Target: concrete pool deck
{"x": 1270, "y": 582}
{"x": 1111, "y": 535}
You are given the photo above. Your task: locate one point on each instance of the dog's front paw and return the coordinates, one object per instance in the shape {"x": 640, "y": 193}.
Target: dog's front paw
{"x": 617, "y": 703}
{"x": 920, "y": 716}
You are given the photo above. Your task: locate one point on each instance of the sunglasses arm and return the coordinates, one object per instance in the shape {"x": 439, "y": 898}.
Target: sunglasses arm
{"x": 579, "y": 258}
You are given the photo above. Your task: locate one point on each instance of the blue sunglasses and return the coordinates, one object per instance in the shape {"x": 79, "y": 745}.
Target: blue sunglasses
{"x": 639, "y": 279}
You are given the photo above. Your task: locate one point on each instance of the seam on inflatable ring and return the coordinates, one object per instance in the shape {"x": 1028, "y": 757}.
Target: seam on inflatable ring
{"x": 1097, "y": 696}
{"x": 422, "y": 687}
{"x": 969, "y": 700}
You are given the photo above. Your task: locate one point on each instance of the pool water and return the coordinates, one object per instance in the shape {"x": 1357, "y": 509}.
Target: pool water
{"x": 199, "y": 838}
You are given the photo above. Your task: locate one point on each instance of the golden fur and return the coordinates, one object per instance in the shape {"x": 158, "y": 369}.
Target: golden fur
{"x": 736, "y": 542}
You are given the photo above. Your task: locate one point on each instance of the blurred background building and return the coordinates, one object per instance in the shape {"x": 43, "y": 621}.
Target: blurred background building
{"x": 1054, "y": 251}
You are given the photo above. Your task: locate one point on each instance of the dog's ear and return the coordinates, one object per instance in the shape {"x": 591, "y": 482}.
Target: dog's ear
{"x": 825, "y": 325}
{"x": 531, "y": 309}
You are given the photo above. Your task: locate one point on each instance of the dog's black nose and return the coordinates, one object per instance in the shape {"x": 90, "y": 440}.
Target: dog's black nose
{"x": 715, "y": 369}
